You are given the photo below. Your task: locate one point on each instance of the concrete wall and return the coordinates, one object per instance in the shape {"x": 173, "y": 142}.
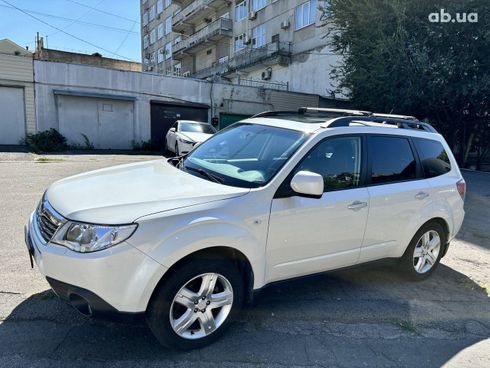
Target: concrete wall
{"x": 58, "y": 79}
{"x": 17, "y": 71}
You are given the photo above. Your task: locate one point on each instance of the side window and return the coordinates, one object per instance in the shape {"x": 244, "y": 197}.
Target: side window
{"x": 391, "y": 160}
{"x": 433, "y": 156}
{"x": 338, "y": 160}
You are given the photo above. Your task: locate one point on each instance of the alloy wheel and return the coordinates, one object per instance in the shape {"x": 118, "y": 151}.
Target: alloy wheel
{"x": 426, "y": 252}
{"x": 201, "y": 306}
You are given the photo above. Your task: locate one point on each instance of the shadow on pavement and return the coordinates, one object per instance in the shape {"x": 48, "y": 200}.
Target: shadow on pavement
{"x": 357, "y": 317}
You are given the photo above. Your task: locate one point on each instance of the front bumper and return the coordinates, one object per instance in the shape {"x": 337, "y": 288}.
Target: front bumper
{"x": 119, "y": 279}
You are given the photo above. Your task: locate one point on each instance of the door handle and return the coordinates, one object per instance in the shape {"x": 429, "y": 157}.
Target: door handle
{"x": 357, "y": 205}
{"x": 421, "y": 195}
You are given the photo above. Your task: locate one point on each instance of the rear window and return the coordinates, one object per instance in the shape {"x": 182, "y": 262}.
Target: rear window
{"x": 435, "y": 160}
{"x": 391, "y": 160}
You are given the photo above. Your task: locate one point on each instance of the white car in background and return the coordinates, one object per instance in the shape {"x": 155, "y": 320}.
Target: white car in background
{"x": 185, "y": 134}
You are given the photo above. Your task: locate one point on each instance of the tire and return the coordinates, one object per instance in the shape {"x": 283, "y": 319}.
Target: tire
{"x": 164, "y": 312}
{"x": 176, "y": 151}
{"x": 420, "y": 268}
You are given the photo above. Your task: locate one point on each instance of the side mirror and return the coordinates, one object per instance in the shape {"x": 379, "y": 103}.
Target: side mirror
{"x": 172, "y": 130}
{"x": 308, "y": 184}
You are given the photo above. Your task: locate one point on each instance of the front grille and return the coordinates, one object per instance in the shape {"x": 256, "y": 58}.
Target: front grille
{"x": 48, "y": 220}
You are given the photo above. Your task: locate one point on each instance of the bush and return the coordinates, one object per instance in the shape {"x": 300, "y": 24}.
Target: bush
{"x": 48, "y": 141}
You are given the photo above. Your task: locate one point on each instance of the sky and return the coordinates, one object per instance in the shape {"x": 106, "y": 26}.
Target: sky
{"x": 110, "y": 27}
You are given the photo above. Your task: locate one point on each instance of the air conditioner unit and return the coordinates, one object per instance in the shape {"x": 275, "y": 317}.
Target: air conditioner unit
{"x": 285, "y": 24}
{"x": 252, "y": 15}
{"x": 267, "y": 74}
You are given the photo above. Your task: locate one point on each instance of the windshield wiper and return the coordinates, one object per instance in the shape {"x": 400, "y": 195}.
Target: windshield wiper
{"x": 205, "y": 173}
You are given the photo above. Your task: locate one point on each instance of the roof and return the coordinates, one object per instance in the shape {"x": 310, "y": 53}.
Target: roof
{"x": 309, "y": 120}
{"x": 10, "y": 47}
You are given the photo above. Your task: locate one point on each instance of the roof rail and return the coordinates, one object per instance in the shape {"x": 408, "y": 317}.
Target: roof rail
{"x": 302, "y": 110}
{"x": 330, "y": 118}
{"x": 407, "y": 117}
{"x": 379, "y": 121}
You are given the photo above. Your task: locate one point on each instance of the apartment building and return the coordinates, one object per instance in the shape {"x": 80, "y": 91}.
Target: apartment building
{"x": 278, "y": 44}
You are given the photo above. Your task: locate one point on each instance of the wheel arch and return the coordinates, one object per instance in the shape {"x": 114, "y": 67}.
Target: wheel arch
{"x": 216, "y": 253}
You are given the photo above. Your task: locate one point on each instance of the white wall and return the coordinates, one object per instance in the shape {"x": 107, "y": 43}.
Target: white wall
{"x": 103, "y": 83}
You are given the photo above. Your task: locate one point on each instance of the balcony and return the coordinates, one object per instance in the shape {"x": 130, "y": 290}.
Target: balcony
{"x": 194, "y": 13}
{"x": 210, "y": 34}
{"x": 250, "y": 59}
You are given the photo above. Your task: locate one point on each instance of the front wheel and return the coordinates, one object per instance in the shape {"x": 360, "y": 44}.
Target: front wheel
{"x": 424, "y": 251}
{"x": 195, "y": 305}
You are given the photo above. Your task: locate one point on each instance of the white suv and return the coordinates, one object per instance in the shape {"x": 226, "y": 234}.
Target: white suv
{"x": 186, "y": 242}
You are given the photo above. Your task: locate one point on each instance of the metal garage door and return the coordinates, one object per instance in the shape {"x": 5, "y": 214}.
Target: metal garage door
{"x": 228, "y": 119}
{"x": 108, "y": 124}
{"x": 164, "y": 115}
{"x": 12, "y": 115}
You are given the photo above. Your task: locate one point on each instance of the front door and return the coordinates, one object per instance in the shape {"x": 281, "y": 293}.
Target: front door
{"x": 308, "y": 235}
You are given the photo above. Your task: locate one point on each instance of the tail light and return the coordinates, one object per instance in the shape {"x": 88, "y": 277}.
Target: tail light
{"x": 461, "y": 185}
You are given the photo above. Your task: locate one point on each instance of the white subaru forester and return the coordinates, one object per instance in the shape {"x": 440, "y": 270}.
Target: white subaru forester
{"x": 186, "y": 242}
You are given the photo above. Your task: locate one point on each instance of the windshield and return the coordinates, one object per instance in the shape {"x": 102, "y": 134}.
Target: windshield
{"x": 197, "y": 128}
{"x": 244, "y": 155}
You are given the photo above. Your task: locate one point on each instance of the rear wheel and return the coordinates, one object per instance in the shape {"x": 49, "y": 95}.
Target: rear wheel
{"x": 196, "y": 304}
{"x": 424, "y": 251}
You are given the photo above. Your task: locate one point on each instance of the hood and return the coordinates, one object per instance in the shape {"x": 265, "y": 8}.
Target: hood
{"x": 196, "y": 137}
{"x": 122, "y": 194}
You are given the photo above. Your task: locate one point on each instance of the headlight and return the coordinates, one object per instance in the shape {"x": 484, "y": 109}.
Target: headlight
{"x": 85, "y": 238}
{"x": 185, "y": 141}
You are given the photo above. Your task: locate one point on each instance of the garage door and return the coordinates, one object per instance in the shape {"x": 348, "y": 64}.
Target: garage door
{"x": 108, "y": 124}
{"x": 12, "y": 115}
{"x": 164, "y": 115}
{"x": 228, "y": 119}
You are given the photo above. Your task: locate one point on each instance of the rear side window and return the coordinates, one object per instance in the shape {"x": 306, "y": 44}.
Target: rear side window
{"x": 391, "y": 160}
{"x": 434, "y": 158}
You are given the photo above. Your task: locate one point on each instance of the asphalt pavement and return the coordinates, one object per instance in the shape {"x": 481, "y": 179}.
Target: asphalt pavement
{"x": 365, "y": 316}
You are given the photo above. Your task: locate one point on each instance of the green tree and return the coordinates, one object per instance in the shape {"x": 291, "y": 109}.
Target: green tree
{"x": 397, "y": 60}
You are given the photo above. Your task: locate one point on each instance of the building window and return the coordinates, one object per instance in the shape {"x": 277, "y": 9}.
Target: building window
{"x": 161, "y": 54}
{"x": 168, "y": 25}
{"x": 167, "y": 3}
{"x": 160, "y": 30}
{"x": 153, "y": 36}
{"x": 240, "y": 42}
{"x": 241, "y": 11}
{"x": 146, "y": 41}
{"x": 259, "y": 4}
{"x": 258, "y": 36}
{"x": 145, "y": 18}
{"x": 305, "y": 14}
{"x": 159, "y": 6}
{"x": 178, "y": 69}
{"x": 152, "y": 58}
{"x": 168, "y": 50}
{"x": 152, "y": 13}
{"x": 177, "y": 40}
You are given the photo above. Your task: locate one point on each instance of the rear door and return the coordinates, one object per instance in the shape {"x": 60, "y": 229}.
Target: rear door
{"x": 398, "y": 195}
